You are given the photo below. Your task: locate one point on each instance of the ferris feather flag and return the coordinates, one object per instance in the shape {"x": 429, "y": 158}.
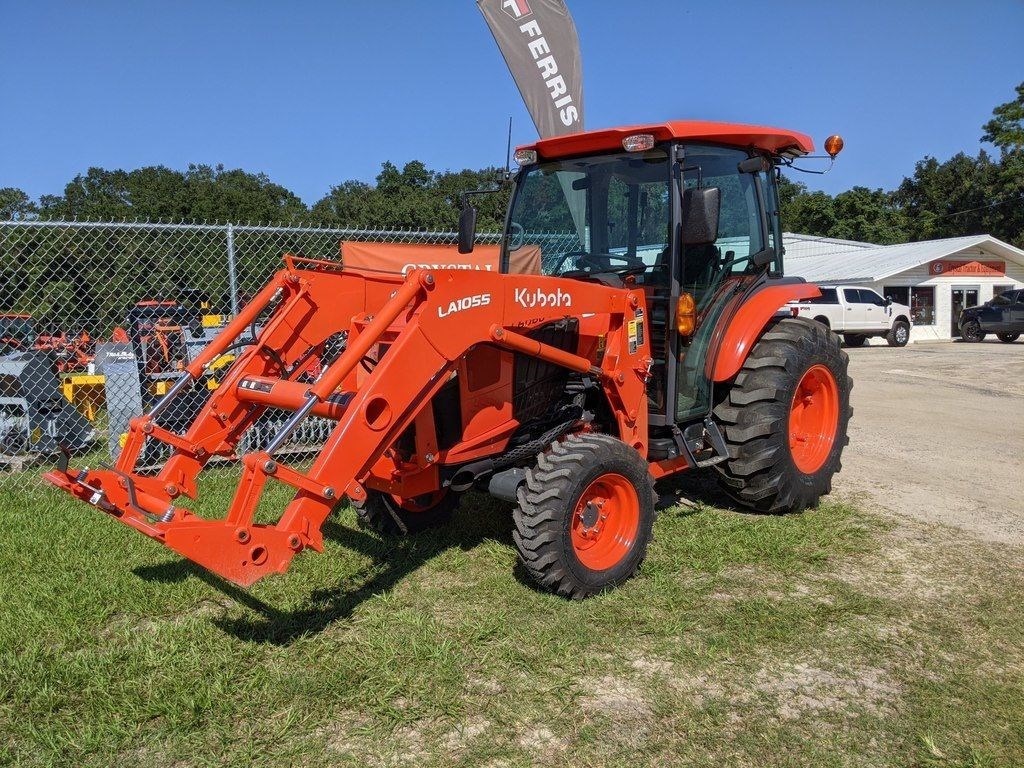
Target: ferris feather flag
{"x": 539, "y": 42}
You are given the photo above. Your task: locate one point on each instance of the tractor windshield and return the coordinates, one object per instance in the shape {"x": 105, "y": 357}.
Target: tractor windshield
{"x": 593, "y": 215}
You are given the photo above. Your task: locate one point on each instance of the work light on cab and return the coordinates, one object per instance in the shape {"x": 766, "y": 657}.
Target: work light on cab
{"x": 526, "y": 156}
{"x": 638, "y": 142}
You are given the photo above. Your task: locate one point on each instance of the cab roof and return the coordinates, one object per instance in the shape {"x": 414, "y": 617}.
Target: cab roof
{"x": 775, "y": 140}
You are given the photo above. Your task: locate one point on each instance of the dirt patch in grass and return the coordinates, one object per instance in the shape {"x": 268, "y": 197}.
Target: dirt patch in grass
{"x": 540, "y": 742}
{"x": 802, "y": 690}
{"x": 462, "y": 734}
{"x": 616, "y": 697}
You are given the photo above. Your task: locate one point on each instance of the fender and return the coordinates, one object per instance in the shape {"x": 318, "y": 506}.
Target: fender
{"x": 746, "y": 325}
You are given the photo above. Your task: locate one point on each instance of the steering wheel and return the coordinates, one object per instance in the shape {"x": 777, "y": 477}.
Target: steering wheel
{"x": 728, "y": 264}
{"x": 589, "y": 262}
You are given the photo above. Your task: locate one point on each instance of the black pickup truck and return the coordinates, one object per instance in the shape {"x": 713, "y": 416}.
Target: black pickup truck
{"x": 1003, "y": 316}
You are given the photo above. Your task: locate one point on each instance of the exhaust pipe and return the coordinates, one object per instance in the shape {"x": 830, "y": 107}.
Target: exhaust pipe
{"x": 505, "y": 485}
{"x": 467, "y": 476}
{"x": 502, "y": 485}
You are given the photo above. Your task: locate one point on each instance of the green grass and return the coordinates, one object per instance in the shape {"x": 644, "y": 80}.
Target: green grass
{"x": 826, "y": 638}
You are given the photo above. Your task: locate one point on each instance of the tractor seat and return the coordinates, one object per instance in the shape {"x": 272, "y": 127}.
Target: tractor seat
{"x": 700, "y": 262}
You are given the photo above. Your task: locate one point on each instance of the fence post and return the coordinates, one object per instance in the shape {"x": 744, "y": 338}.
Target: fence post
{"x": 232, "y": 276}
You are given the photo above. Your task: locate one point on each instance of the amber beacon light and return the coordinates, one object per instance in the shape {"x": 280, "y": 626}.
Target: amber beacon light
{"x": 834, "y": 145}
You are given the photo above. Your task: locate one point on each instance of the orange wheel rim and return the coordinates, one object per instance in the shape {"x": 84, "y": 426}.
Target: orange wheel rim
{"x": 605, "y": 522}
{"x": 813, "y": 419}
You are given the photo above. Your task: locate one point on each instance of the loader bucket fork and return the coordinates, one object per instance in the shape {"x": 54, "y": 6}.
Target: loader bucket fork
{"x": 309, "y": 303}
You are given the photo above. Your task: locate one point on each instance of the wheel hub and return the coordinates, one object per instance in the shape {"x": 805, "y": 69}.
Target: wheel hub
{"x": 589, "y": 515}
{"x": 813, "y": 419}
{"x": 605, "y": 522}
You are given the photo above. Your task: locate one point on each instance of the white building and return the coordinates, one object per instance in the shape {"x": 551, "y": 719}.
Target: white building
{"x": 936, "y": 278}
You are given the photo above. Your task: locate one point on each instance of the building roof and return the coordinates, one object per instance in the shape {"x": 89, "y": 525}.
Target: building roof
{"x": 775, "y": 140}
{"x": 822, "y": 259}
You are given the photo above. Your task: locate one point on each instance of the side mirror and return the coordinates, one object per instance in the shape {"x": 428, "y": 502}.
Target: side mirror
{"x": 888, "y": 301}
{"x": 700, "y": 215}
{"x": 755, "y": 164}
{"x": 467, "y": 228}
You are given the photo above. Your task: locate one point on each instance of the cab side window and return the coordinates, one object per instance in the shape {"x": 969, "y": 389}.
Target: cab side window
{"x": 740, "y": 233}
{"x": 851, "y": 296}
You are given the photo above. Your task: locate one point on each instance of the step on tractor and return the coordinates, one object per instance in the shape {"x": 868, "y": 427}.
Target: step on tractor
{"x": 632, "y": 325}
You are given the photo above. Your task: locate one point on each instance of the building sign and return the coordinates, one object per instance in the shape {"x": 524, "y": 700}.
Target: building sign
{"x": 953, "y": 268}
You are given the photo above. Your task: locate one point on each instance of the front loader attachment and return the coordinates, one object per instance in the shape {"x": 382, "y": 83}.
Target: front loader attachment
{"x": 308, "y": 307}
{"x": 385, "y": 346}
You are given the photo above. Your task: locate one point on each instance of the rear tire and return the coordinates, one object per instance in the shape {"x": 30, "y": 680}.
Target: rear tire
{"x": 899, "y": 334}
{"x": 388, "y": 514}
{"x": 1008, "y": 338}
{"x": 854, "y": 340}
{"x": 785, "y": 419}
{"x": 585, "y": 515}
{"x": 971, "y": 331}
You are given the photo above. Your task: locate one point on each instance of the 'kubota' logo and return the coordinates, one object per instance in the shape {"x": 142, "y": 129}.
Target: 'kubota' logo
{"x": 466, "y": 302}
{"x": 516, "y": 8}
{"x": 538, "y": 298}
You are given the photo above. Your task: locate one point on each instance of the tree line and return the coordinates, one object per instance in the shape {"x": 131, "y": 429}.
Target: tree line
{"x": 966, "y": 194}
{"x": 413, "y": 197}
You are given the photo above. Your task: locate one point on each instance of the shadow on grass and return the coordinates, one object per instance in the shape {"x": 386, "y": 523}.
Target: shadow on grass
{"x": 693, "y": 489}
{"x": 476, "y": 522}
{"x": 479, "y": 519}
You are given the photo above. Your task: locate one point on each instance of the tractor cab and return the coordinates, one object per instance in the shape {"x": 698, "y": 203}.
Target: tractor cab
{"x": 687, "y": 211}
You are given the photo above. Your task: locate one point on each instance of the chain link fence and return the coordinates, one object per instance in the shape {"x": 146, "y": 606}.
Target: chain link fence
{"x": 98, "y": 318}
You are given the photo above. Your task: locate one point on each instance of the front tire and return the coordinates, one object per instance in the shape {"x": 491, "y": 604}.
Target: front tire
{"x": 585, "y": 515}
{"x": 1008, "y": 338}
{"x": 785, "y": 419}
{"x": 854, "y": 340}
{"x": 899, "y": 334}
{"x": 971, "y": 331}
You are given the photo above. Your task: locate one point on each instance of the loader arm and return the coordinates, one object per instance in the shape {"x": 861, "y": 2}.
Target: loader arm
{"x": 415, "y": 330}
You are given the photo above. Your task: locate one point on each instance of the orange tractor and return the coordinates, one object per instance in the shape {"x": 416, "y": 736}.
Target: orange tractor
{"x": 631, "y": 326}
{"x": 69, "y": 353}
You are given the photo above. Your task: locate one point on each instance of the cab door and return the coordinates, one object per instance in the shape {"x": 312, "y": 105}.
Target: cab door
{"x": 854, "y": 312}
{"x": 716, "y": 273}
{"x": 1017, "y": 314}
{"x": 875, "y": 313}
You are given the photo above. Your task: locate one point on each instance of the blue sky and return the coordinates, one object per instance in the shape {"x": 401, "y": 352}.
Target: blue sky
{"x": 313, "y": 93}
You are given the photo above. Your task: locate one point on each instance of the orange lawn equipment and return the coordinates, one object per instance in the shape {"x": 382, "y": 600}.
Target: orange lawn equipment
{"x": 72, "y": 353}
{"x": 640, "y": 335}
{"x": 69, "y": 352}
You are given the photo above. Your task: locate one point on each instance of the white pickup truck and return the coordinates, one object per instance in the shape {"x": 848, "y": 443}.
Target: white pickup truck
{"x": 856, "y": 313}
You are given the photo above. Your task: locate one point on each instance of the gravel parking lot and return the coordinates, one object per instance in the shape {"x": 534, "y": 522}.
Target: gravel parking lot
{"x": 938, "y": 435}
